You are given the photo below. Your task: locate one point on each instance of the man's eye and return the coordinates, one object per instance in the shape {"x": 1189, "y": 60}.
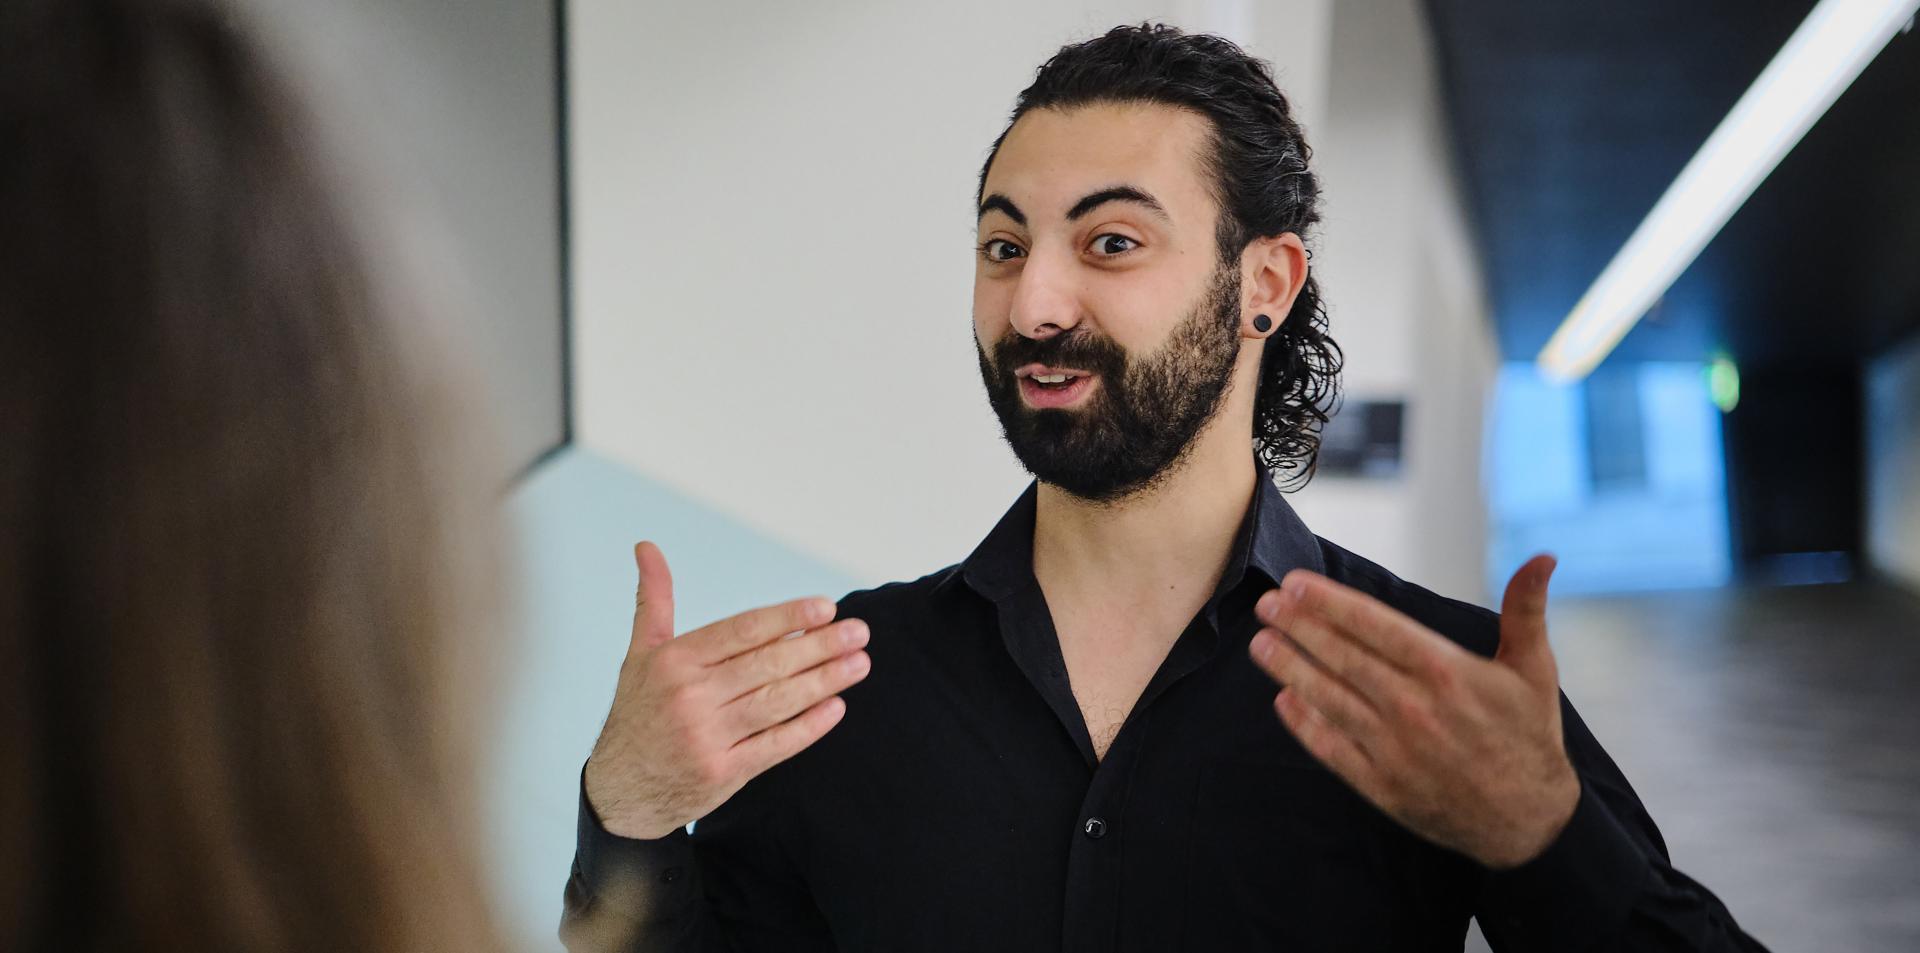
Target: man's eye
{"x": 999, "y": 249}
{"x": 1110, "y": 245}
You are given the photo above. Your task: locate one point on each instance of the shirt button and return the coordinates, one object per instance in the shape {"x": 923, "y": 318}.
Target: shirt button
{"x": 671, "y": 875}
{"x": 1095, "y": 828}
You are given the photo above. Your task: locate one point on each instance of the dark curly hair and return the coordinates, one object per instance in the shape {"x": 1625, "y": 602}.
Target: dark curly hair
{"x": 1261, "y": 181}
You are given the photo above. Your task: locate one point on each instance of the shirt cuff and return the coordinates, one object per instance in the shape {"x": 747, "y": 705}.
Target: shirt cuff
{"x": 1574, "y": 895}
{"x": 637, "y": 879}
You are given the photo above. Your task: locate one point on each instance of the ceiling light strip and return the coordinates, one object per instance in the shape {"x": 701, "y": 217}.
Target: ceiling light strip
{"x": 1835, "y": 43}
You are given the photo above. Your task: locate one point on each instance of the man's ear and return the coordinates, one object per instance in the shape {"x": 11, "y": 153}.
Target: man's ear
{"x": 1273, "y": 270}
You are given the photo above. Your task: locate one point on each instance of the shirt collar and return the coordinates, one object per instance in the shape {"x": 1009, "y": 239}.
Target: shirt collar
{"x": 1004, "y": 560}
{"x": 1272, "y": 539}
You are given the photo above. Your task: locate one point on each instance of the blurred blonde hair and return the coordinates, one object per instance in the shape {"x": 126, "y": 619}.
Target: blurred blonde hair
{"x": 243, "y": 564}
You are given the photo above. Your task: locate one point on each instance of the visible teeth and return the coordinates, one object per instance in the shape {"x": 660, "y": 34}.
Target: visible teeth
{"x": 1050, "y": 378}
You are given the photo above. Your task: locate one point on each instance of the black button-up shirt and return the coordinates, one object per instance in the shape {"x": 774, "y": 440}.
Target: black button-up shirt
{"x": 959, "y": 804}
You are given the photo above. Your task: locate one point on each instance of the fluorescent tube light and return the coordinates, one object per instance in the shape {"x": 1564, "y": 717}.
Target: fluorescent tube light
{"x": 1819, "y": 61}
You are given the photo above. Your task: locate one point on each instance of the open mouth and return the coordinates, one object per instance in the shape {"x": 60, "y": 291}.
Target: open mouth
{"x": 1043, "y": 386}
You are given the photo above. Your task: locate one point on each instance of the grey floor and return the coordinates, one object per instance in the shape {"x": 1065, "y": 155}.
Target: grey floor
{"x": 1774, "y": 734}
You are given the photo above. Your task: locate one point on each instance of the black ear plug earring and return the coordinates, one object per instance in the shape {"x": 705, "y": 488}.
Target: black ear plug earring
{"x": 1262, "y": 323}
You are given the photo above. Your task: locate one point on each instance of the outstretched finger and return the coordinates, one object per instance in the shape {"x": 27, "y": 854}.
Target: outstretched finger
{"x": 1382, "y": 629}
{"x": 781, "y": 658}
{"x": 761, "y": 751}
{"x": 1329, "y": 744}
{"x": 652, "y": 598}
{"x": 1523, "y": 623}
{"x": 775, "y": 702}
{"x": 1378, "y": 681}
{"x": 749, "y": 630}
{"x": 1283, "y": 660}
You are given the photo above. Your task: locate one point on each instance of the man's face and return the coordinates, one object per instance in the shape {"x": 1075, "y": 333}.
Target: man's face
{"x": 1106, "y": 327}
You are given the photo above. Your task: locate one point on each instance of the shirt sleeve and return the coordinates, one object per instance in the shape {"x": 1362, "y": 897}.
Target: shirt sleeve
{"x": 630, "y": 895}
{"x": 725, "y": 887}
{"x": 1606, "y": 883}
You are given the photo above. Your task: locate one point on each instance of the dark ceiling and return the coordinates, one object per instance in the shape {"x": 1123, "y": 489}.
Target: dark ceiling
{"x": 1571, "y": 119}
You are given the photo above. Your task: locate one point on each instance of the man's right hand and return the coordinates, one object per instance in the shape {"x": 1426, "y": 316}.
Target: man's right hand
{"x": 696, "y": 717}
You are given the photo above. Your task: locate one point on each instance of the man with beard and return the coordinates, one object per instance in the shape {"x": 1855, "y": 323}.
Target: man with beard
{"x": 1072, "y": 740}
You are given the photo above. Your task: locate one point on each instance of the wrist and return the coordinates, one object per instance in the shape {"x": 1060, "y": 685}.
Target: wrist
{"x": 617, "y": 815}
{"x": 1556, "y": 810}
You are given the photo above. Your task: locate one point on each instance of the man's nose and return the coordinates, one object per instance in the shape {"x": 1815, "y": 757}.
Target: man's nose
{"x": 1046, "y": 301}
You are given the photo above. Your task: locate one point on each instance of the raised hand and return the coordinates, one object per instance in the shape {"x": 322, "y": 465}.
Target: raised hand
{"x": 695, "y": 718}
{"x": 1464, "y": 751}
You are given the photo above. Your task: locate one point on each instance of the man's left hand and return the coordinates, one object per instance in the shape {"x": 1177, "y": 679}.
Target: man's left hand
{"x": 1462, "y": 750}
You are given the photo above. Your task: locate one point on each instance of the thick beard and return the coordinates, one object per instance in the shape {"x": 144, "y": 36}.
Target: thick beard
{"x": 1139, "y": 426}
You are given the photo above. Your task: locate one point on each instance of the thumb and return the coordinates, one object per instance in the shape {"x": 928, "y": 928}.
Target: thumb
{"x": 1523, "y": 624}
{"x": 653, "y": 599}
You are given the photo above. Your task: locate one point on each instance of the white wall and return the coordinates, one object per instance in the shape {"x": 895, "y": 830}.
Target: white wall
{"x": 772, "y": 212}
{"x": 772, "y": 227}
{"x": 1402, "y": 280}
{"x": 1893, "y": 463}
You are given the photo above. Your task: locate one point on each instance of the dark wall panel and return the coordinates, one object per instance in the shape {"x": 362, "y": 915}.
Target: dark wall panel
{"x": 1794, "y": 467}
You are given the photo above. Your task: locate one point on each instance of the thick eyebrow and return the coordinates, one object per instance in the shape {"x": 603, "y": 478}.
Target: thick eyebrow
{"x": 1004, "y": 204}
{"x": 1118, "y": 193}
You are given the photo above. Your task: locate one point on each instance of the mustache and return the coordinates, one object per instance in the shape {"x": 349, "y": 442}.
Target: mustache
{"x": 1079, "y": 349}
